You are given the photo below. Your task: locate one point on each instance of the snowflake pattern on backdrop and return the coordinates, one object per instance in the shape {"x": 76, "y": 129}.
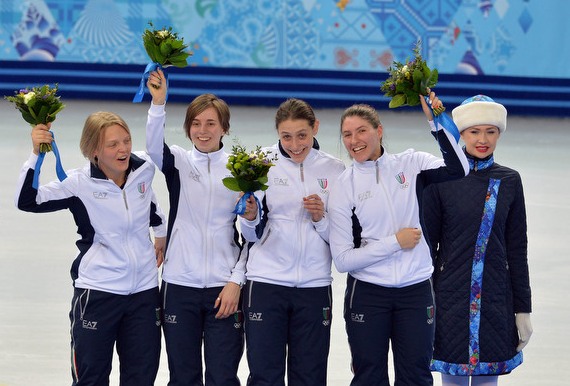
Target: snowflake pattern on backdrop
{"x": 469, "y": 36}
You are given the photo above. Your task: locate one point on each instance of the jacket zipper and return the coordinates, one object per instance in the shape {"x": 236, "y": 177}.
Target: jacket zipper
{"x": 206, "y": 241}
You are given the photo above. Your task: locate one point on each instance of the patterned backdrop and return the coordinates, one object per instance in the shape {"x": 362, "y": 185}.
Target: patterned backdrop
{"x": 480, "y": 37}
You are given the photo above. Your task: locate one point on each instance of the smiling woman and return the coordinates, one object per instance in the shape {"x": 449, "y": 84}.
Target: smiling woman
{"x": 111, "y": 149}
{"x": 115, "y": 277}
{"x": 203, "y": 273}
{"x": 289, "y": 264}
{"x": 376, "y": 237}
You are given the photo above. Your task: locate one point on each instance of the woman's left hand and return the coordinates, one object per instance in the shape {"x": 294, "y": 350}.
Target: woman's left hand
{"x": 228, "y": 300}
{"x": 159, "y": 247}
{"x": 315, "y": 206}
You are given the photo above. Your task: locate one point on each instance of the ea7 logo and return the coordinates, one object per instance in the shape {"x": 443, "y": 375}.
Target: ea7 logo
{"x": 170, "y": 319}
{"x": 89, "y": 325}
{"x": 100, "y": 195}
{"x": 281, "y": 181}
{"x": 358, "y": 318}
{"x": 255, "y": 316}
{"x": 364, "y": 195}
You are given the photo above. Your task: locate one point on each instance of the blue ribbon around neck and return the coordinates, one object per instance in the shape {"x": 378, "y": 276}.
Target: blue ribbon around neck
{"x": 149, "y": 68}
{"x": 58, "y": 166}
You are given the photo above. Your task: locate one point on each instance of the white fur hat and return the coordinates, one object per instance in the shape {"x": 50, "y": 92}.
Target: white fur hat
{"x": 480, "y": 110}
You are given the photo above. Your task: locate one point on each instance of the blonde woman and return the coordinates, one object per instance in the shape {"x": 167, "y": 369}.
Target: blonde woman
{"x": 115, "y": 277}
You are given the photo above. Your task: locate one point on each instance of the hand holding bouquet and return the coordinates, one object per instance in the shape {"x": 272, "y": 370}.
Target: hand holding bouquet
{"x": 249, "y": 173}
{"x": 38, "y": 105}
{"x": 410, "y": 80}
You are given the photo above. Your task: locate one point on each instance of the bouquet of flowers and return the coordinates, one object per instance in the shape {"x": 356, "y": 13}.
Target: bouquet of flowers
{"x": 249, "y": 174}
{"x": 164, "y": 47}
{"x": 410, "y": 80}
{"x": 38, "y": 105}
{"x": 249, "y": 169}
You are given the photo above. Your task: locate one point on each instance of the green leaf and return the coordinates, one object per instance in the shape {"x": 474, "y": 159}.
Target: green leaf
{"x": 231, "y": 183}
{"x": 433, "y": 79}
{"x": 397, "y": 101}
{"x": 28, "y": 118}
{"x": 413, "y": 99}
{"x": 42, "y": 113}
{"x": 165, "y": 48}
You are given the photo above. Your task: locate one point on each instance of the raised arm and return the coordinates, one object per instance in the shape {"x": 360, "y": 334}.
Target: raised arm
{"x": 156, "y": 117}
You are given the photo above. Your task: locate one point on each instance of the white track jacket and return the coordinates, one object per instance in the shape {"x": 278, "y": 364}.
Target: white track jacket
{"x": 291, "y": 249}
{"x": 116, "y": 253}
{"x": 203, "y": 247}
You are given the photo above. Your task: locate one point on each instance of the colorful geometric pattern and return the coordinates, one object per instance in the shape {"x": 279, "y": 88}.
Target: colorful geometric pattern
{"x": 478, "y": 37}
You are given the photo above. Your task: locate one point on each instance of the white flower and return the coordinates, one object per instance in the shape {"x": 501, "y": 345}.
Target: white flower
{"x": 163, "y": 34}
{"x": 29, "y": 96}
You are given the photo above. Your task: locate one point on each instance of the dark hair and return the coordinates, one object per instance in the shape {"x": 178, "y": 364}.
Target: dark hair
{"x": 295, "y": 109}
{"x": 202, "y": 103}
{"x": 364, "y": 111}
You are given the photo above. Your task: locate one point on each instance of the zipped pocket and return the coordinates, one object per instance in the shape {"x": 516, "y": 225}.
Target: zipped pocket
{"x": 352, "y": 290}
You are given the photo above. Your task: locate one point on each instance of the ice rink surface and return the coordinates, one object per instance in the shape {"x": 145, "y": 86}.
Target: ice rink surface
{"x": 37, "y": 249}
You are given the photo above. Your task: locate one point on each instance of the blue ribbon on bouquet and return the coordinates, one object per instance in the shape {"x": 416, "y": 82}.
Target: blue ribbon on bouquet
{"x": 58, "y": 166}
{"x": 240, "y": 205}
{"x": 149, "y": 68}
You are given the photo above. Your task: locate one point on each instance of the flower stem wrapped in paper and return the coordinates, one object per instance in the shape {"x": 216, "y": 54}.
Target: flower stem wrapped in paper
{"x": 164, "y": 49}
{"x": 249, "y": 173}
{"x": 410, "y": 80}
{"x": 40, "y": 105}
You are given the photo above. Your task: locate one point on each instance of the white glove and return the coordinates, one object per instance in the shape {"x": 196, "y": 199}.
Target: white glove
{"x": 522, "y": 320}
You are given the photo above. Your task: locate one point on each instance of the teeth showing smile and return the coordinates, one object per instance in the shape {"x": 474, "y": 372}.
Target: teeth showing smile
{"x": 357, "y": 149}
{"x": 203, "y": 139}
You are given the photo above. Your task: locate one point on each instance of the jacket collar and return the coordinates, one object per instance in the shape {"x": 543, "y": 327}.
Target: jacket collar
{"x": 369, "y": 166}
{"x": 199, "y": 156}
{"x": 478, "y": 163}
{"x": 135, "y": 162}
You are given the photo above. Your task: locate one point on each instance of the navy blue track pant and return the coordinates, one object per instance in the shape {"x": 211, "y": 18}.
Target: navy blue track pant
{"x": 374, "y": 317}
{"x": 189, "y": 320}
{"x": 99, "y": 320}
{"x": 287, "y": 325}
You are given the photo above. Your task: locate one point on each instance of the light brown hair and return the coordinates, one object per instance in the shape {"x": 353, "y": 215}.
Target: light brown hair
{"x": 202, "y": 103}
{"x": 94, "y": 130}
{"x": 364, "y": 111}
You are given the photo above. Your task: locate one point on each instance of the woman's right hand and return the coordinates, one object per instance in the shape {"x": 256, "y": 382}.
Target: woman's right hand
{"x": 250, "y": 208}
{"x": 434, "y": 102}
{"x": 156, "y": 85}
{"x": 408, "y": 237}
{"x": 40, "y": 134}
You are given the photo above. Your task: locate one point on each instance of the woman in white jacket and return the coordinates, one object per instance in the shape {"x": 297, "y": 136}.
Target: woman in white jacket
{"x": 376, "y": 236}
{"x": 115, "y": 276}
{"x": 287, "y": 300}
{"x": 202, "y": 274}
